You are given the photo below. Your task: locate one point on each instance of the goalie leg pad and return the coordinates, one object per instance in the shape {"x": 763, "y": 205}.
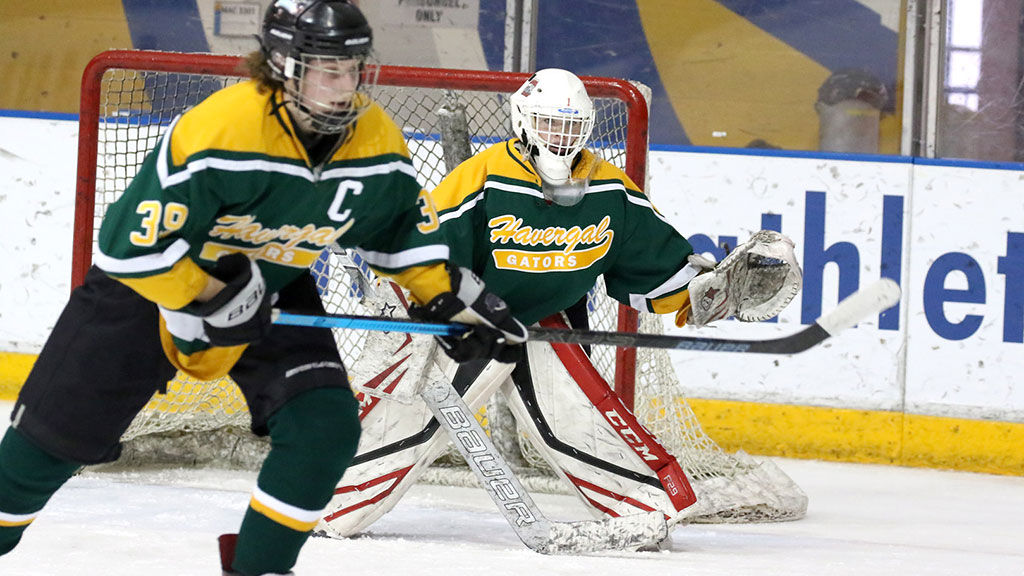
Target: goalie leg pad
{"x": 398, "y": 443}
{"x": 591, "y": 440}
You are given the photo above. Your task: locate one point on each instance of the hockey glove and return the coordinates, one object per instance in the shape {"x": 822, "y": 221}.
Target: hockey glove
{"x": 240, "y": 312}
{"x": 496, "y": 334}
{"x": 754, "y": 282}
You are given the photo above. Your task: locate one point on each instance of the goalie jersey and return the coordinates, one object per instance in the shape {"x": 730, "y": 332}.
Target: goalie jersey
{"x": 540, "y": 257}
{"x": 229, "y": 175}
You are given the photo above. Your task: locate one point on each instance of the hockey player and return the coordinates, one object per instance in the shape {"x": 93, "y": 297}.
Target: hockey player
{"x": 539, "y": 218}
{"x": 225, "y": 216}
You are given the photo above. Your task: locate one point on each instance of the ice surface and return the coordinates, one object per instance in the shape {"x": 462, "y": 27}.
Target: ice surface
{"x": 877, "y": 520}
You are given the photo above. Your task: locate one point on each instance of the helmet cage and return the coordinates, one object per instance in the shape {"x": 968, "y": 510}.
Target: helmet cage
{"x": 563, "y": 132}
{"x": 332, "y": 92}
{"x": 554, "y": 137}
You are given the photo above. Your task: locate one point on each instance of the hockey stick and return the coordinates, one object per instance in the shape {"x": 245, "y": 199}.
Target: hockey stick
{"x": 536, "y": 531}
{"x": 871, "y": 300}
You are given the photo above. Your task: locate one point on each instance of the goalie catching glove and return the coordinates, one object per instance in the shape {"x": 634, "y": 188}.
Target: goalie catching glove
{"x": 754, "y": 282}
{"x": 240, "y": 312}
{"x": 495, "y": 333}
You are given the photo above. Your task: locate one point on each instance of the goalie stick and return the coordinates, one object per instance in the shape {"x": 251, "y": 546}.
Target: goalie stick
{"x": 871, "y": 300}
{"x": 533, "y": 528}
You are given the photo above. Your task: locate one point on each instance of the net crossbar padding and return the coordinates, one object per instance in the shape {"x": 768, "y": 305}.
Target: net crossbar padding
{"x": 130, "y": 97}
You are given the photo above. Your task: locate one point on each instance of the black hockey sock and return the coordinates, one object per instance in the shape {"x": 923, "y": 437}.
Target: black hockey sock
{"x": 28, "y": 477}
{"x": 313, "y": 439}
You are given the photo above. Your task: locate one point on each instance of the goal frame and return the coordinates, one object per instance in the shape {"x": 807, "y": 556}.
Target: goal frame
{"x": 415, "y": 77}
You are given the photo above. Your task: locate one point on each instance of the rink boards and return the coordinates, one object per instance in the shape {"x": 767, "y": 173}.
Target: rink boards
{"x": 936, "y": 381}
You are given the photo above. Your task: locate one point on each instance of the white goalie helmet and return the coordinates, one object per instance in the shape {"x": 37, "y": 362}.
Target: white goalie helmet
{"x": 553, "y": 116}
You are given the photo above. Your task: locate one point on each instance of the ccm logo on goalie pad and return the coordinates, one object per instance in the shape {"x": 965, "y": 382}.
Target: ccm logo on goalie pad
{"x": 497, "y": 481}
{"x": 632, "y": 438}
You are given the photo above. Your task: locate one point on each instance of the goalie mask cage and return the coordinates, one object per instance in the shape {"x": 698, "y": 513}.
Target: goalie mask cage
{"x": 129, "y": 98}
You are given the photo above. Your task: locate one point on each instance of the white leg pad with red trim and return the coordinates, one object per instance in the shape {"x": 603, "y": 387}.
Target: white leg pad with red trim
{"x": 398, "y": 443}
{"x": 592, "y": 441}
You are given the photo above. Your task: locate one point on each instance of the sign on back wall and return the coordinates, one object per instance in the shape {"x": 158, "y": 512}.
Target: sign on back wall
{"x": 952, "y": 236}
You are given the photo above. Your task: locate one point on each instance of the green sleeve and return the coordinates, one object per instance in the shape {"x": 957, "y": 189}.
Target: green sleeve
{"x": 403, "y": 231}
{"x": 650, "y": 262}
{"x": 148, "y": 229}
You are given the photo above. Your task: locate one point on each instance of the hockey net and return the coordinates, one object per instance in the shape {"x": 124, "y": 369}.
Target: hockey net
{"x": 130, "y": 97}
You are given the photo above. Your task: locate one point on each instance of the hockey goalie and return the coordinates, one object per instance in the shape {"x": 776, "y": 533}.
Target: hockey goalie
{"x": 538, "y": 219}
{"x": 562, "y": 405}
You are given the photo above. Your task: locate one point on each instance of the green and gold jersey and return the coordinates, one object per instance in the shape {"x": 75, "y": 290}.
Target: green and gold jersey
{"x": 542, "y": 257}
{"x": 230, "y": 176}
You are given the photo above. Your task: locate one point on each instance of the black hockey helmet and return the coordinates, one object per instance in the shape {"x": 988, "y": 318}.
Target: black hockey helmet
{"x": 292, "y": 28}
{"x": 304, "y": 35}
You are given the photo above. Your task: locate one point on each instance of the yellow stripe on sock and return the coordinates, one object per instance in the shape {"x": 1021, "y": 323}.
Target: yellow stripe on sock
{"x": 14, "y": 520}
{"x": 295, "y": 518}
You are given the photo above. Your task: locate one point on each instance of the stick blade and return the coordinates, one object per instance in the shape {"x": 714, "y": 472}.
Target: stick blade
{"x": 621, "y": 533}
{"x": 877, "y": 297}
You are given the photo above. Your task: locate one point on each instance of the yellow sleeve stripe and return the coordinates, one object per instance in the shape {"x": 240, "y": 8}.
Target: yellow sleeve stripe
{"x": 293, "y": 517}
{"x": 671, "y": 303}
{"x": 205, "y": 365}
{"x": 174, "y": 288}
{"x": 12, "y": 520}
{"x": 678, "y": 280}
{"x": 425, "y": 282}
